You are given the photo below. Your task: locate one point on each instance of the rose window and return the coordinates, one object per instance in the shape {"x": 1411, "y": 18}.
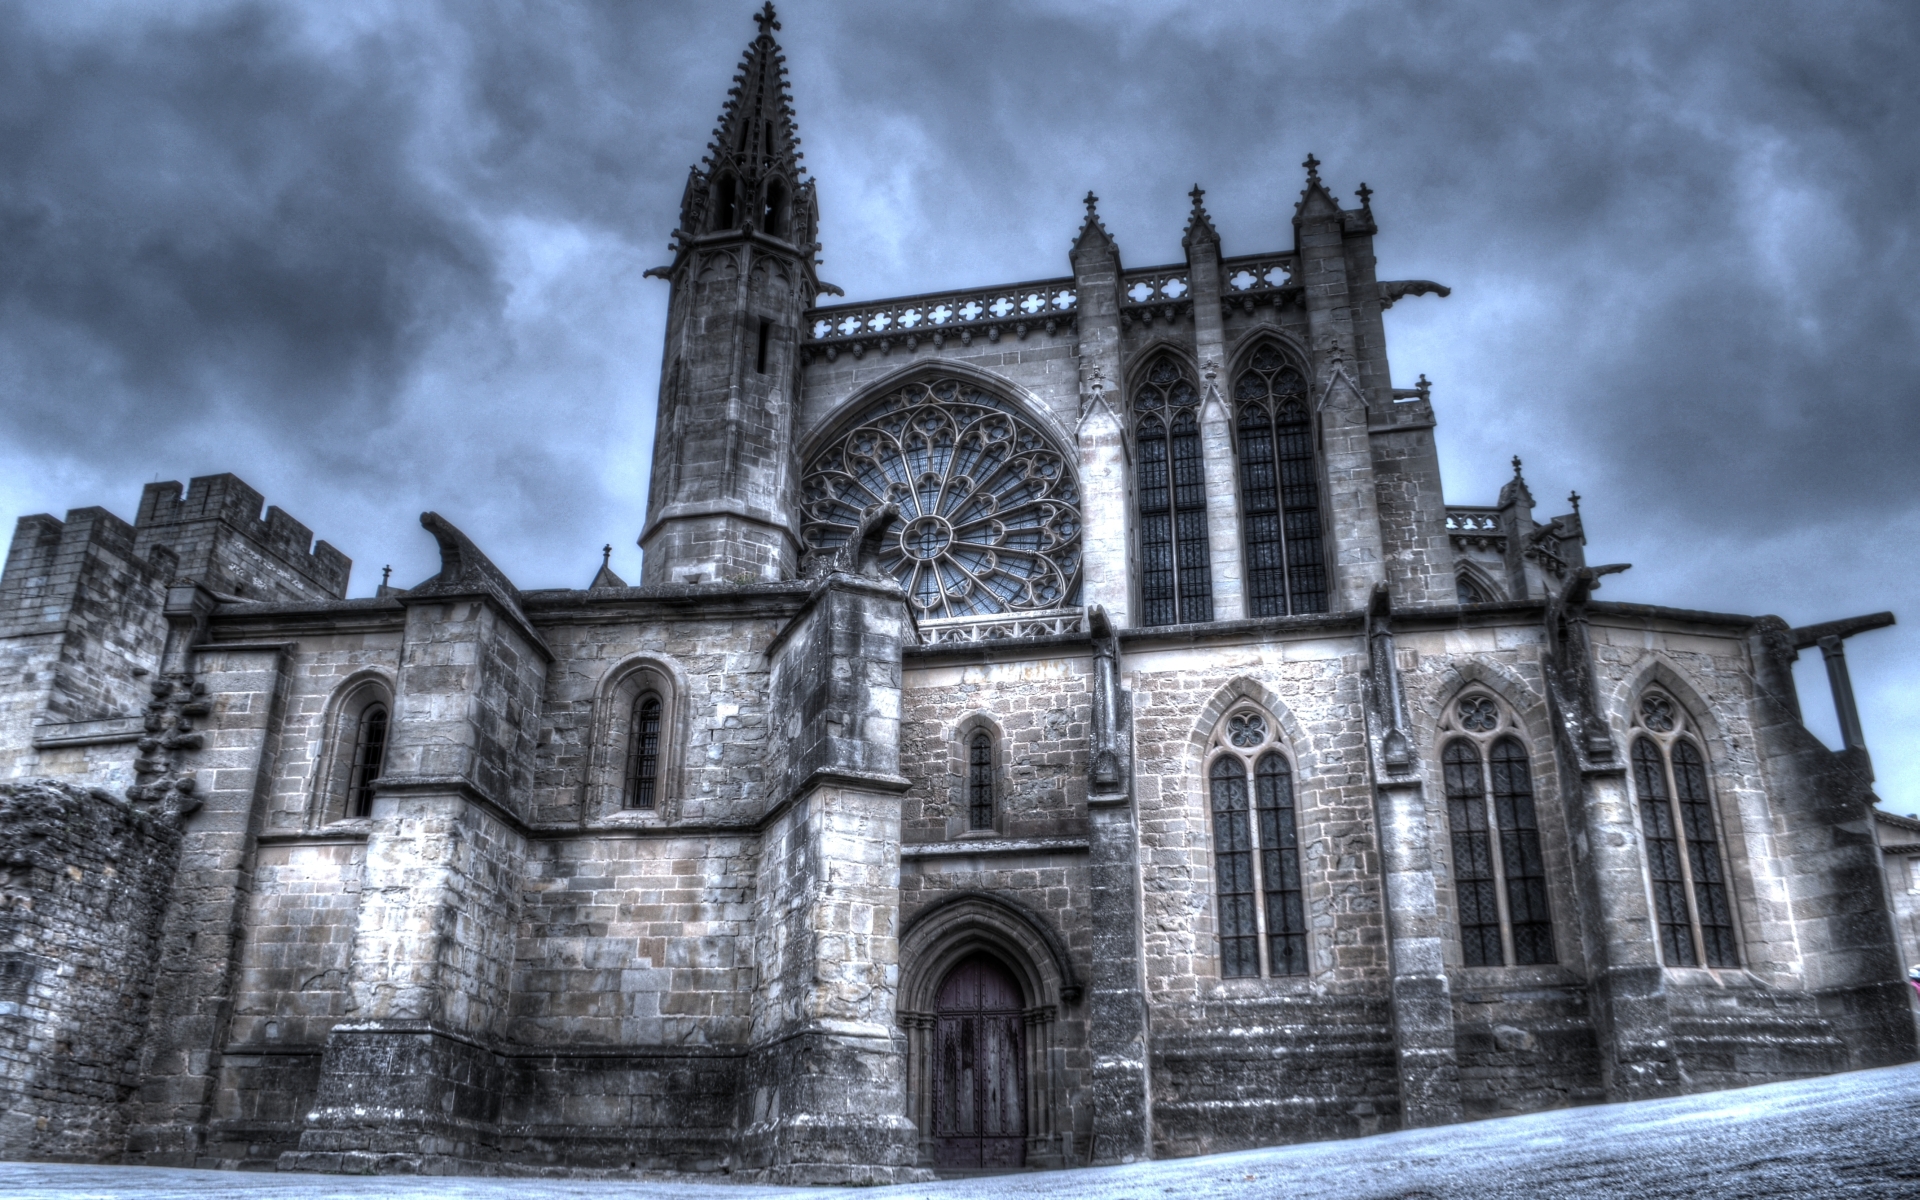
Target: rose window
{"x": 990, "y": 515}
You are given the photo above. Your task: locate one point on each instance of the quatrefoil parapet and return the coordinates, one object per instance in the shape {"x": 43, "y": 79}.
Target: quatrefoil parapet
{"x": 989, "y": 509}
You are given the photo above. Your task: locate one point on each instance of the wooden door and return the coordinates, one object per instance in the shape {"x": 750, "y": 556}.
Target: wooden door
{"x": 979, "y": 1069}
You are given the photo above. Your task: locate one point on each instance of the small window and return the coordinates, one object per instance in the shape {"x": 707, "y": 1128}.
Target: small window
{"x": 369, "y": 755}
{"x": 1499, "y": 873}
{"x": 643, "y": 753}
{"x": 1257, "y": 858}
{"x": 774, "y": 218}
{"x": 725, "y": 203}
{"x": 1682, "y": 842}
{"x": 766, "y": 332}
{"x": 980, "y": 805}
{"x": 1469, "y": 591}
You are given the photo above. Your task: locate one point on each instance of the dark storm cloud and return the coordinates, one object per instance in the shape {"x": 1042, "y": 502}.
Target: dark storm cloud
{"x": 382, "y": 258}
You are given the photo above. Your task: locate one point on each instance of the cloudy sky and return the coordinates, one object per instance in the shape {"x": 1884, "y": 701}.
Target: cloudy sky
{"x": 377, "y": 257}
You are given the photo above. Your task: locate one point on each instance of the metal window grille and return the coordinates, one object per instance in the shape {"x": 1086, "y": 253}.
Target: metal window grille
{"x": 1473, "y": 878}
{"x": 1279, "y": 490}
{"x": 1233, "y": 865}
{"x": 1703, "y": 856}
{"x": 1663, "y": 856}
{"x": 643, "y": 753}
{"x": 1280, "y": 867}
{"x": 1520, "y": 858}
{"x": 980, "y": 782}
{"x": 369, "y": 755}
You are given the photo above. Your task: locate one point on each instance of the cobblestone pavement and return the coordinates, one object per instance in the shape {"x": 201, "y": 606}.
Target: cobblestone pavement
{"x": 1843, "y": 1135}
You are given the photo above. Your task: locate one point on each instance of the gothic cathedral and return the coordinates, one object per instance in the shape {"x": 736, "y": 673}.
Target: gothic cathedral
{"x": 1058, "y": 723}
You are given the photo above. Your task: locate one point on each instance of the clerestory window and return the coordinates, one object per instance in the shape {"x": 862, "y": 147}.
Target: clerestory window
{"x": 1499, "y": 873}
{"x": 1677, "y": 826}
{"x": 1256, "y": 850}
{"x": 1176, "y": 572}
{"x": 1279, "y": 489}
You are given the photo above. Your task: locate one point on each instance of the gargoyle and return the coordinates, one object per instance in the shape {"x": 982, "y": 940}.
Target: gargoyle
{"x": 1399, "y": 289}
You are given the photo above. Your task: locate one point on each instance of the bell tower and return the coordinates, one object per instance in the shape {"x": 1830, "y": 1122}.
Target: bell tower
{"x": 720, "y": 507}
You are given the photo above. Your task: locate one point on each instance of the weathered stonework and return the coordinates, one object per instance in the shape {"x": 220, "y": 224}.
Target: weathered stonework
{"x": 808, "y": 863}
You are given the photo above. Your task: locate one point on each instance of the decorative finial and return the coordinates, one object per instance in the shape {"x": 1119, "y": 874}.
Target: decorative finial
{"x": 1573, "y": 498}
{"x": 1313, "y": 168}
{"x": 606, "y": 554}
{"x": 1091, "y": 201}
{"x": 1425, "y": 386}
{"x": 1366, "y": 195}
{"x": 386, "y": 573}
{"x": 1516, "y": 466}
{"x": 1198, "y": 193}
{"x": 765, "y": 19}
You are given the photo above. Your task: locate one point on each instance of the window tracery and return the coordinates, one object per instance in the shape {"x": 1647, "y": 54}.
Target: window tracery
{"x": 1176, "y": 568}
{"x": 1279, "y": 489}
{"x": 1677, "y": 826}
{"x": 1256, "y": 849}
{"x": 1499, "y": 873}
{"x": 989, "y": 509}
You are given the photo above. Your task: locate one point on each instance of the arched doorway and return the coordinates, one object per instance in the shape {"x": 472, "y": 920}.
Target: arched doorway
{"x": 979, "y": 1068}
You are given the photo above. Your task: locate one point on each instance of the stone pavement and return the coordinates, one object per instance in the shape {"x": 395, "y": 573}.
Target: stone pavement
{"x": 1839, "y": 1136}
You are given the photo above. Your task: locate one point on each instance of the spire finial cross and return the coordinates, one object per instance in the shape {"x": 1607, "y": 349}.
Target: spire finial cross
{"x": 765, "y": 19}
{"x": 606, "y": 554}
{"x": 1516, "y": 466}
{"x": 1198, "y": 193}
{"x": 386, "y": 573}
{"x": 1313, "y": 168}
{"x": 1091, "y": 201}
{"x": 1573, "y": 498}
{"x": 1366, "y": 195}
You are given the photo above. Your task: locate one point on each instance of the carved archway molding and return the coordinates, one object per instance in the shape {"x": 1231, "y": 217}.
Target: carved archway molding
{"x": 939, "y": 938}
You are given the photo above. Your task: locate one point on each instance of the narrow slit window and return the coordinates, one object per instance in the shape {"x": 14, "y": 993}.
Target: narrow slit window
{"x": 766, "y": 333}
{"x": 980, "y": 806}
{"x": 369, "y": 755}
{"x": 1176, "y": 567}
{"x": 1280, "y": 867}
{"x": 1279, "y": 490}
{"x": 643, "y": 754}
{"x": 1233, "y": 864}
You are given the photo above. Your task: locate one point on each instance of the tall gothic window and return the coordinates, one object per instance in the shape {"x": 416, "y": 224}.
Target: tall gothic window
{"x": 1176, "y": 572}
{"x": 643, "y": 753}
{"x": 1279, "y": 489}
{"x": 980, "y": 806}
{"x": 369, "y": 755}
{"x": 1683, "y": 846}
{"x": 1256, "y": 850}
{"x": 1499, "y": 874}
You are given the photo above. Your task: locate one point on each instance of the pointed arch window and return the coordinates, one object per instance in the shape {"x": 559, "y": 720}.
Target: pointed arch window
{"x": 1256, "y": 850}
{"x": 369, "y": 756}
{"x": 773, "y": 219}
{"x": 643, "y": 753}
{"x": 726, "y": 203}
{"x": 1499, "y": 872}
{"x": 1279, "y": 489}
{"x": 981, "y": 808}
{"x": 1677, "y": 826}
{"x": 1176, "y": 569}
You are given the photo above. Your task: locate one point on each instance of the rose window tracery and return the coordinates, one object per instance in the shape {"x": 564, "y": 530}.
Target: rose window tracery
{"x": 990, "y": 514}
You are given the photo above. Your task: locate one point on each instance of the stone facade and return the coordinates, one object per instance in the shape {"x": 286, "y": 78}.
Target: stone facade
{"x": 893, "y": 825}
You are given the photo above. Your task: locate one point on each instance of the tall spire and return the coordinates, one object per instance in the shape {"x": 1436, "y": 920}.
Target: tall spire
{"x": 751, "y": 178}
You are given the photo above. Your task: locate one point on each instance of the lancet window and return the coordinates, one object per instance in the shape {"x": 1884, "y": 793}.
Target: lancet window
{"x": 1677, "y": 827}
{"x": 369, "y": 755}
{"x": 1499, "y": 873}
{"x": 1176, "y": 573}
{"x": 642, "y": 788}
{"x": 1279, "y": 489}
{"x": 1256, "y": 849}
{"x": 988, "y": 510}
{"x": 980, "y": 799}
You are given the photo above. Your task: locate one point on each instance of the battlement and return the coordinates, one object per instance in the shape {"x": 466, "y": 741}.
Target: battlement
{"x": 49, "y": 557}
{"x": 273, "y": 557}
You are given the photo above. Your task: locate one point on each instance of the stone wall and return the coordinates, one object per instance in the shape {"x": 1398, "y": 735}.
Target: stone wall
{"x": 85, "y": 890}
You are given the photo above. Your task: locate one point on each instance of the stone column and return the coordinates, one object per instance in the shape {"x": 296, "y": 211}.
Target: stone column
{"x": 410, "y": 1081}
{"x": 1216, "y": 415}
{"x": 234, "y": 695}
{"x": 1352, "y": 510}
{"x": 1106, "y": 505}
{"x": 827, "y": 1094}
{"x": 1121, "y": 1090}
